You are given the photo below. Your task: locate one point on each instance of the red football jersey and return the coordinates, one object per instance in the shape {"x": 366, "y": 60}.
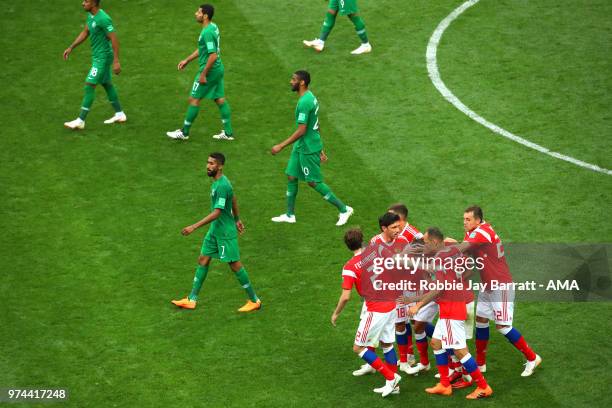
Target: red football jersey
{"x": 488, "y": 246}
{"x": 411, "y": 233}
{"x": 351, "y": 276}
{"x": 452, "y": 301}
{"x": 379, "y": 240}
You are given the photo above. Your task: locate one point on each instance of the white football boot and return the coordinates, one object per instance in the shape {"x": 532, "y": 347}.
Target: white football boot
{"x": 77, "y": 124}
{"x": 530, "y": 366}
{"x": 284, "y": 218}
{"x": 390, "y": 385}
{"x": 223, "y": 136}
{"x": 395, "y": 391}
{"x": 363, "y": 370}
{"x": 417, "y": 369}
{"x": 317, "y": 44}
{"x": 177, "y": 135}
{"x": 362, "y": 49}
{"x": 118, "y": 117}
{"x": 483, "y": 368}
{"x": 343, "y": 217}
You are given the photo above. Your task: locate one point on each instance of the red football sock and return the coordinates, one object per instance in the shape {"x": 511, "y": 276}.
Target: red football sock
{"x": 481, "y": 351}
{"x": 524, "y": 348}
{"x": 443, "y": 370}
{"x": 423, "y": 357}
{"x": 383, "y": 369}
{"x": 479, "y": 378}
{"x": 403, "y": 352}
{"x": 410, "y": 349}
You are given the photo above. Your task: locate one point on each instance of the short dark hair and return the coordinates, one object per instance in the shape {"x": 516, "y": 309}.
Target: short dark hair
{"x": 387, "y": 219}
{"x": 208, "y": 9}
{"x": 303, "y": 76}
{"x": 219, "y": 157}
{"x": 353, "y": 239}
{"x": 399, "y": 208}
{"x": 476, "y": 210}
{"x": 435, "y": 232}
{"x": 97, "y": 2}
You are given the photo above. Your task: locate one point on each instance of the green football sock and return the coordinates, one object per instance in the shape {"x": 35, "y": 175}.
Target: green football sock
{"x": 192, "y": 114}
{"x": 198, "y": 280}
{"x": 113, "y": 98}
{"x": 226, "y": 118}
{"x": 327, "y": 194}
{"x": 292, "y": 190}
{"x": 243, "y": 279}
{"x": 360, "y": 28}
{"x": 90, "y": 95}
{"x": 328, "y": 24}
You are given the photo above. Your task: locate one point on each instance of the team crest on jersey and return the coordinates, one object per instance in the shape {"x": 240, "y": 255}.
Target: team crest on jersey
{"x": 473, "y": 234}
{"x": 93, "y": 25}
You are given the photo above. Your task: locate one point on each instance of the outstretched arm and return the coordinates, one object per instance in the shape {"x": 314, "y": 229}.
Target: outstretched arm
{"x": 301, "y": 131}
{"x": 206, "y": 220}
{"x": 80, "y": 38}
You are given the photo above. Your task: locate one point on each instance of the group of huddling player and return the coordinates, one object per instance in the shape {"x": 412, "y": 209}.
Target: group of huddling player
{"x": 384, "y": 322}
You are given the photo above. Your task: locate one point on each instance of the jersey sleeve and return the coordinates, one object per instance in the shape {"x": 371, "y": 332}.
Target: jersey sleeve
{"x": 303, "y": 112}
{"x": 349, "y": 278}
{"x": 106, "y": 24}
{"x": 222, "y": 196}
{"x": 211, "y": 42}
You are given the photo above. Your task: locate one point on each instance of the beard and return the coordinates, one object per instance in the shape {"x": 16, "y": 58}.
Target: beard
{"x": 212, "y": 173}
{"x": 295, "y": 87}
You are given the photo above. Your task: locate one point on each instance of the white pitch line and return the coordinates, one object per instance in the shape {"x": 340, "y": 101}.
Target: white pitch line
{"x": 434, "y": 74}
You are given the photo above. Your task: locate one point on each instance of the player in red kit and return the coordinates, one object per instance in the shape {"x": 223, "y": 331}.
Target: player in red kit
{"x": 449, "y": 334}
{"x": 483, "y": 244}
{"x": 403, "y": 330}
{"x": 376, "y": 325}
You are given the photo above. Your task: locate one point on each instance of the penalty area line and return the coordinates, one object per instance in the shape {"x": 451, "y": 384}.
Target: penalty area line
{"x": 434, "y": 75}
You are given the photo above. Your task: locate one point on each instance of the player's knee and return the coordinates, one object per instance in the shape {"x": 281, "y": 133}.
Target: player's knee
{"x": 502, "y": 328}
{"x": 203, "y": 260}
{"x": 401, "y": 326}
{"x": 332, "y": 12}
{"x": 193, "y": 101}
{"x": 291, "y": 178}
{"x": 357, "y": 349}
{"x": 220, "y": 101}
{"x": 481, "y": 319}
{"x": 90, "y": 84}
{"x": 312, "y": 184}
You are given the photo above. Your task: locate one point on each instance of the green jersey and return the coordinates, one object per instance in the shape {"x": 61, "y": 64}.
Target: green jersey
{"x": 208, "y": 43}
{"x": 222, "y": 196}
{"x": 99, "y": 27}
{"x": 307, "y": 113}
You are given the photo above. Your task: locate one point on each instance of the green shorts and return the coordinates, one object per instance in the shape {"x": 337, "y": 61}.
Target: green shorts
{"x": 100, "y": 72}
{"x": 344, "y": 7}
{"x": 306, "y": 167}
{"x": 212, "y": 89}
{"x": 225, "y": 250}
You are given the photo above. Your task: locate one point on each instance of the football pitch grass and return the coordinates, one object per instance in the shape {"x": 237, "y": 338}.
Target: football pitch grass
{"x": 91, "y": 247}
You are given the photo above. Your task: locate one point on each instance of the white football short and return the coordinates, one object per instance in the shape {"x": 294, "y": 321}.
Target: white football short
{"x": 375, "y": 327}
{"x": 401, "y": 313}
{"x": 427, "y": 313}
{"x": 451, "y": 333}
{"x": 497, "y": 305}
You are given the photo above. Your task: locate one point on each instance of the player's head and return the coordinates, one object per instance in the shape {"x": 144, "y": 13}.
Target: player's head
{"x": 215, "y": 163}
{"x": 205, "y": 11}
{"x": 353, "y": 239}
{"x": 472, "y": 217}
{"x": 300, "y": 79}
{"x": 401, "y": 210}
{"x": 433, "y": 239}
{"x": 389, "y": 225}
{"x": 89, "y": 5}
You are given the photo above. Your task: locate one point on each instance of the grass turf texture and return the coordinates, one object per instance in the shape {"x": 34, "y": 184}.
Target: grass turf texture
{"x": 92, "y": 251}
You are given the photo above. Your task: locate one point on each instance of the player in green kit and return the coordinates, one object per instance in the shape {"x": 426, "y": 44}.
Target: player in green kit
{"x": 221, "y": 241}
{"x": 208, "y": 82}
{"x": 105, "y": 56}
{"x": 307, "y": 153}
{"x": 344, "y": 8}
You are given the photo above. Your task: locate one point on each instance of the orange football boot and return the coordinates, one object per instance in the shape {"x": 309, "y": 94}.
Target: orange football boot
{"x": 250, "y": 306}
{"x": 440, "y": 389}
{"x": 185, "y": 303}
{"x": 480, "y": 393}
